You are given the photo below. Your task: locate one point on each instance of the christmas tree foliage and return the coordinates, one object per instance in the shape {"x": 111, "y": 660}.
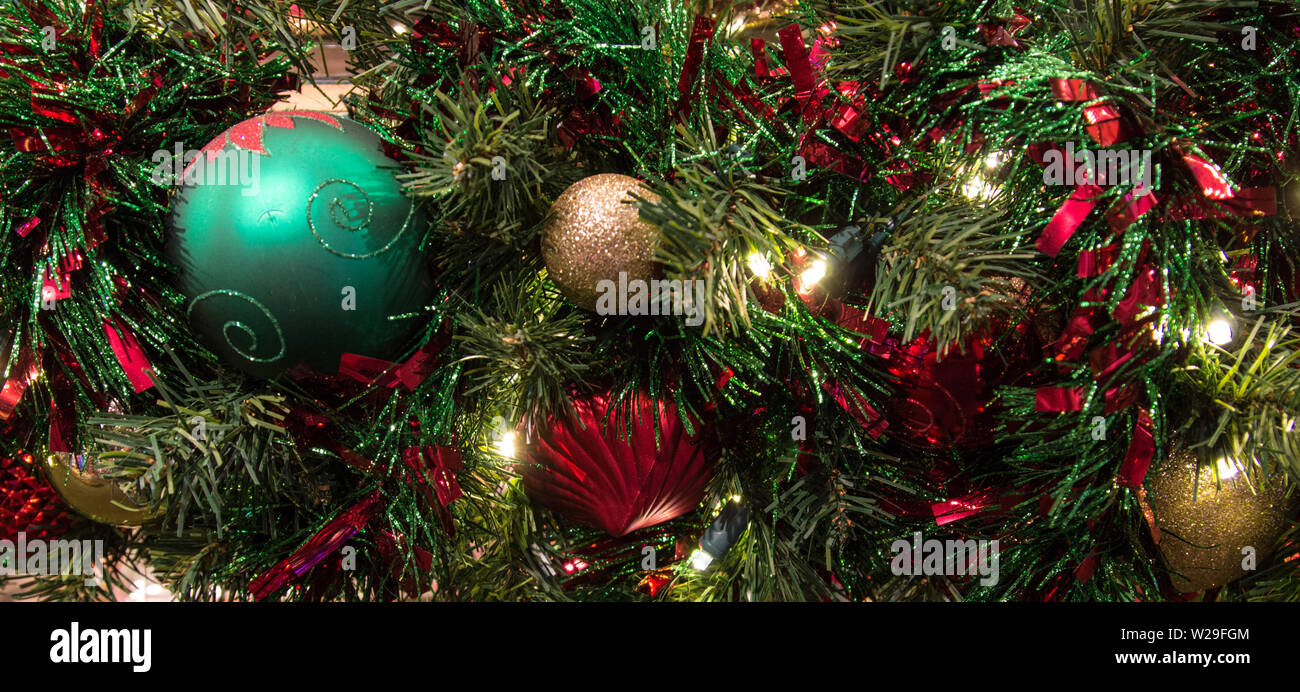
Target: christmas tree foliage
{"x": 654, "y": 300}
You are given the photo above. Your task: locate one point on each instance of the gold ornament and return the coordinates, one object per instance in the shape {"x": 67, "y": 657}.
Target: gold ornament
{"x": 757, "y": 19}
{"x": 98, "y": 498}
{"x": 1205, "y": 525}
{"x": 594, "y": 231}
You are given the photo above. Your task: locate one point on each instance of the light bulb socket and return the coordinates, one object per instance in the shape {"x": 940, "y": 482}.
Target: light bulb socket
{"x": 720, "y": 535}
{"x": 851, "y": 258}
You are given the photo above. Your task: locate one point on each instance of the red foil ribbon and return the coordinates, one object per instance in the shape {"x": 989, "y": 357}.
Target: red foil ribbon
{"x": 809, "y": 94}
{"x": 1068, "y": 219}
{"x": 1107, "y": 358}
{"x": 653, "y": 583}
{"x": 63, "y": 141}
{"x": 1105, "y": 123}
{"x": 1137, "y": 206}
{"x": 55, "y": 287}
{"x": 1003, "y": 32}
{"x": 1247, "y": 202}
{"x": 129, "y": 355}
{"x": 1086, "y": 568}
{"x": 798, "y": 61}
{"x": 1058, "y": 399}
{"x": 959, "y": 508}
{"x": 441, "y": 463}
{"x": 874, "y": 331}
{"x": 1074, "y": 338}
{"x": 701, "y": 36}
{"x": 63, "y": 413}
{"x": 468, "y": 42}
{"x": 1118, "y": 399}
{"x": 1107, "y": 126}
{"x": 24, "y": 369}
{"x": 857, "y": 406}
{"x": 1212, "y": 181}
{"x": 58, "y": 286}
{"x": 1144, "y": 291}
{"x": 395, "y": 549}
{"x": 995, "y": 34}
{"x": 435, "y": 463}
{"x": 1133, "y": 471}
{"x": 369, "y": 370}
{"x": 1097, "y": 260}
{"x": 27, "y": 226}
{"x": 1141, "y": 450}
{"x": 410, "y": 373}
{"x": 330, "y": 538}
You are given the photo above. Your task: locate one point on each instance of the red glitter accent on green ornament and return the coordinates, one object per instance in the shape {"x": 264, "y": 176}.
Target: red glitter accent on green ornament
{"x": 247, "y": 135}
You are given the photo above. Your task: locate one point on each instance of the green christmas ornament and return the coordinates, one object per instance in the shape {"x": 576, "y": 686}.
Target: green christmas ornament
{"x": 295, "y": 245}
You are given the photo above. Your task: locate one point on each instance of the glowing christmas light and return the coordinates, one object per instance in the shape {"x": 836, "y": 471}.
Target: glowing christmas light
{"x": 759, "y": 265}
{"x": 978, "y": 189}
{"x": 812, "y": 275}
{"x": 506, "y": 444}
{"x": 1219, "y": 331}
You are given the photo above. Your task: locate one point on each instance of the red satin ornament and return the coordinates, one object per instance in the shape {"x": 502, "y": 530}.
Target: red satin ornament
{"x": 593, "y": 472}
{"x": 944, "y": 400}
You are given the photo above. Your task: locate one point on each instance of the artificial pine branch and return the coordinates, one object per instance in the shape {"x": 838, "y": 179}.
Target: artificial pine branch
{"x": 1246, "y": 400}
{"x": 713, "y": 216}
{"x": 949, "y": 273}
{"x": 465, "y": 139}
{"x": 527, "y": 352}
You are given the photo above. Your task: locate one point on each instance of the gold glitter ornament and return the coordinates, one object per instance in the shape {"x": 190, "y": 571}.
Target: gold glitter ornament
{"x": 750, "y": 19}
{"x": 1205, "y": 524}
{"x": 90, "y": 494}
{"x": 593, "y": 232}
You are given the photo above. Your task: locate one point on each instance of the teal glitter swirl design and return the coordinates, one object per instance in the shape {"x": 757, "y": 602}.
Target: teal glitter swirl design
{"x": 236, "y": 324}
{"x": 335, "y": 205}
{"x": 350, "y": 255}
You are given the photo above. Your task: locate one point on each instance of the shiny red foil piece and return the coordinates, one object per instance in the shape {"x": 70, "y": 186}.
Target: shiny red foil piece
{"x": 701, "y": 36}
{"x": 1049, "y": 399}
{"x": 1067, "y": 219}
{"x": 1141, "y": 450}
{"x": 326, "y": 541}
{"x": 593, "y": 472}
{"x": 129, "y": 355}
{"x": 21, "y": 374}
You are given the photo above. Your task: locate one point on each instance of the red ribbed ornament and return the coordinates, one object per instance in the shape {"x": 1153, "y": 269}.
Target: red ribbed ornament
{"x": 593, "y": 472}
{"x": 28, "y": 503}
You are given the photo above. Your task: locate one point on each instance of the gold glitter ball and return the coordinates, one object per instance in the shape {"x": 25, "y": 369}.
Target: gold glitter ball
{"x": 594, "y": 231}
{"x": 1206, "y": 522}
